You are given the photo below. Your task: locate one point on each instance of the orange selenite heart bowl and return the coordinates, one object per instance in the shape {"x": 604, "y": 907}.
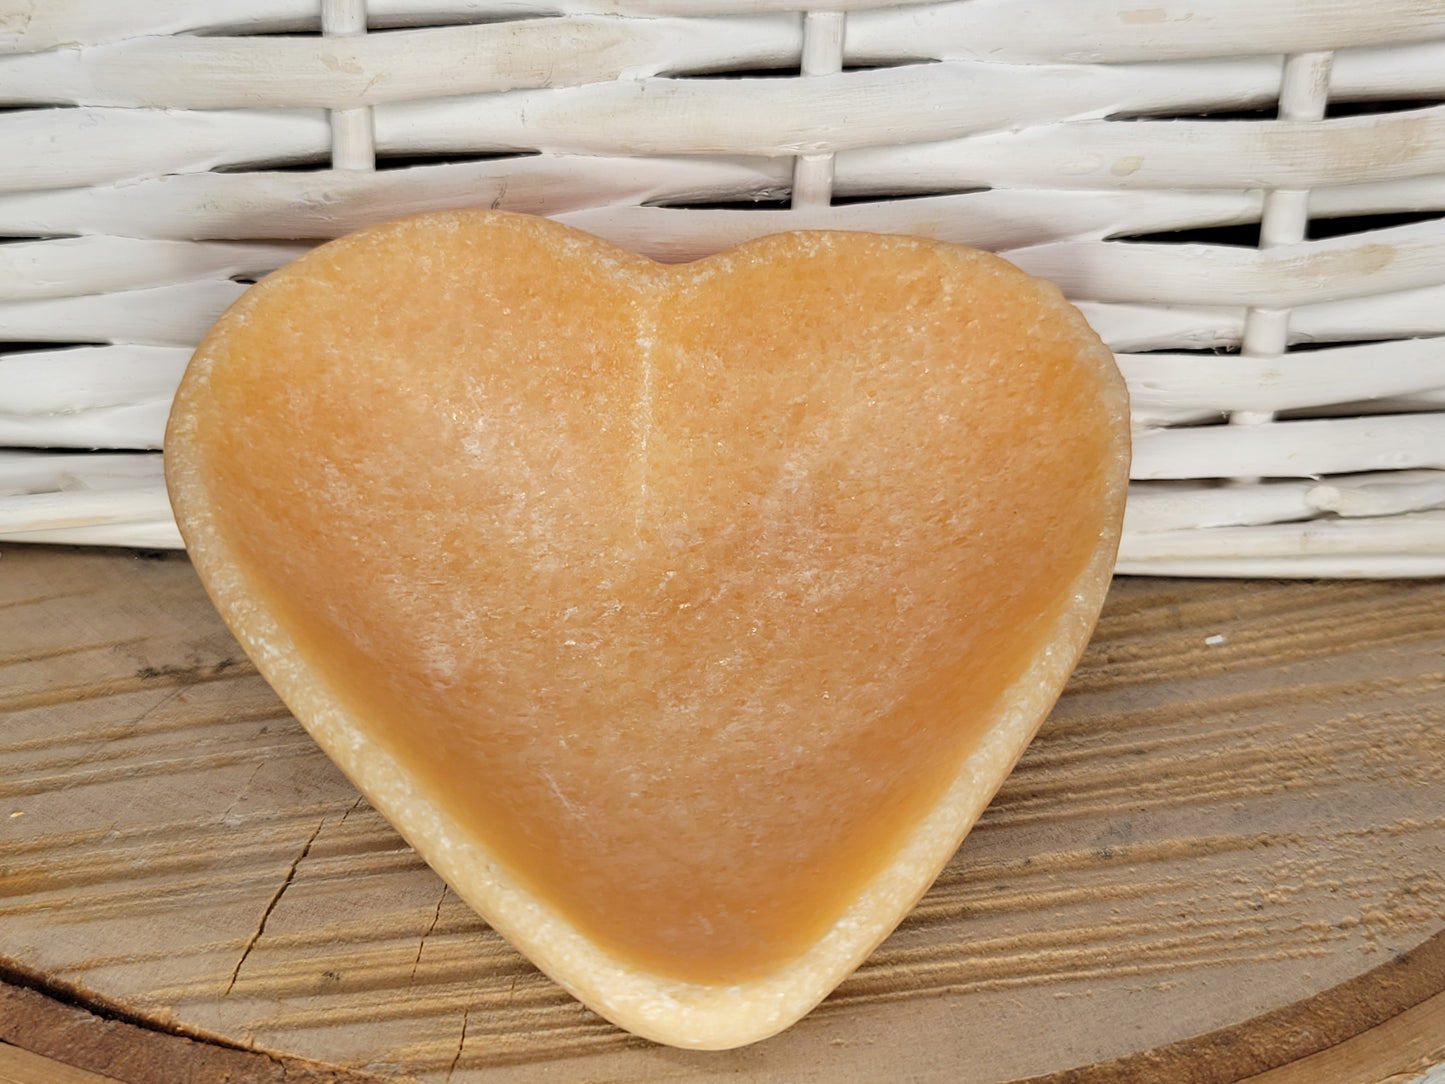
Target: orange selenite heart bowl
{"x": 684, "y": 618}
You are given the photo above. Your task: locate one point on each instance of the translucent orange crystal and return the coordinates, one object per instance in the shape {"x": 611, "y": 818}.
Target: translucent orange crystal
{"x": 687, "y": 590}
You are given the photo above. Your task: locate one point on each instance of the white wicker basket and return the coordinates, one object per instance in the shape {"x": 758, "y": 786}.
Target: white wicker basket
{"x": 1244, "y": 196}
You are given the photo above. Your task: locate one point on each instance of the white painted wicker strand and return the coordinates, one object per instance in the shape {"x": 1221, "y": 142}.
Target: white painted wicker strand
{"x": 1284, "y": 217}
{"x": 822, "y": 55}
{"x": 165, "y": 152}
{"x": 353, "y": 140}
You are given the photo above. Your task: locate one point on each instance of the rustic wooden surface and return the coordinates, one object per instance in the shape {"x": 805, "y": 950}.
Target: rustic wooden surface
{"x": 1223, "y": 857}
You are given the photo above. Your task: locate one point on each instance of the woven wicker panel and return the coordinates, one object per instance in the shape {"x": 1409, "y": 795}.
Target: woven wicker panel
{"x": 1246, "y": 198}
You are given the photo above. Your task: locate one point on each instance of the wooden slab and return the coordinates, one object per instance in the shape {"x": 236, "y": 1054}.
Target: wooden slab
{"x": 1224, "y": 854}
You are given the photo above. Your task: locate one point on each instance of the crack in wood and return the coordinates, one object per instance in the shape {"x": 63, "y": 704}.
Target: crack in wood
{"x": 271, "y": 904}
{"x": 241, "y": 792}
{"x": 436, "y": 916}
{"x": 461, "y": 1041}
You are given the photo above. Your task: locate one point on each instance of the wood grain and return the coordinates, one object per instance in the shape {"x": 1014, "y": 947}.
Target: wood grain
{"x": 20, "y": 1066}
{"x": 1237, "y": 807}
